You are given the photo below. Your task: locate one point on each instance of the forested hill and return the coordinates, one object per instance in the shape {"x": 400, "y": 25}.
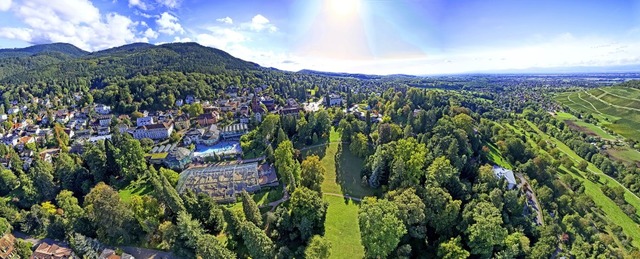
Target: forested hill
{"x": 139, "y": 76}
{"x": 125, "y": 61}
{"x": 61, "y": 48}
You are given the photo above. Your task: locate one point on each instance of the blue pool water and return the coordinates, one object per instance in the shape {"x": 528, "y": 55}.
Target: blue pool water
{"x": 221, "y": 149}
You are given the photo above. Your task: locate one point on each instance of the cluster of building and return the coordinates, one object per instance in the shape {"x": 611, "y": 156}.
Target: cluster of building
{"x": 45, "y": 250}
{"x": 361, "y": 113}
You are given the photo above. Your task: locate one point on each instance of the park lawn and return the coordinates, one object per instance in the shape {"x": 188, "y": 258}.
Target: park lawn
{"x": 135, "y": 188}
{"x": 261, "y": 198}
{"x": 495, "y": 156}
{"x": 341, "y": 223}
{"x": 342, "y": 229}
{"x": 608, "y": 206}
{"x": 334, "y": 136}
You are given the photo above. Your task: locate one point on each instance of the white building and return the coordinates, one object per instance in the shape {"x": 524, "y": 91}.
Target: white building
{"x": 153, "y": 131}
{"x": 506, "y": 174}
{"x": 144, "y": 121}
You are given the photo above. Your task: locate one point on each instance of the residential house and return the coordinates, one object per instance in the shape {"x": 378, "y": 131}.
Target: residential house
{"x": 111, "y": 254}
{"x": 10, "y": 139}
{"x": 104, "y": 120}
{"x": 7, "y": 246}
{"x": 179, "y": 102}
{"x": 23, "y": 141}
{"x": 335, "y": 100}
{"x": 193, "y": 136}
{"x": 122, "y": 128}
{"x": 144, "y": 121}
{"x": 33, "y": 130}
{"x": 207, "y": 119}
{"x": 103, "y": 109}
{"x": 13, "y": 110}
{"x": 232, "y": 92}
{"x": 103, "y": 131}
{"x": 154, "y": 131}
{"x": 63, "y": 116}
{"x": 178, "y": 158}
{"x": 211, "y": 136}
{"x": 3, "y": 117}
{"x": 182, "y": 121}
{"x": 47, "y": 251}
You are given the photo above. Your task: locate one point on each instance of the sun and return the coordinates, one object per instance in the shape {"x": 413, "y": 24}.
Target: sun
{"x": 344, "y": 7}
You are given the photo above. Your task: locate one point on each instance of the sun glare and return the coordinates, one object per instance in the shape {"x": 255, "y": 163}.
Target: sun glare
{"x": 344, "y": 7}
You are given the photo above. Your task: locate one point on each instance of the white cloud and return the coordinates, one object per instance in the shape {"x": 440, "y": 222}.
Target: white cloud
{"x": 169, "y": 3}
{"x": 151, "y": 34}
{"x": 22, "y": 34}
{"x": 5, "y": 5}
{"x": 226, "y": 20}
{"x": 222, "y": 38}
{"x": 77, "y": 22}
{"x": 139, "y": 3}
{"x": 168, "y": 24}
{"x": 260, "y": 23}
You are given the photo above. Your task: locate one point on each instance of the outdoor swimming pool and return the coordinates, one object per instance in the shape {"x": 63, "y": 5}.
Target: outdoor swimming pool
{"x": 224, "y": 148}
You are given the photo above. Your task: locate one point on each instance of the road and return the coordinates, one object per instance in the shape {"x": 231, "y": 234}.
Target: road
{"x": 525, "y": 184}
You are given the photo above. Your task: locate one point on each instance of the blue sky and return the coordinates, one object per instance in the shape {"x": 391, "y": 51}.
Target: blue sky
{"x": 363, "y": 36}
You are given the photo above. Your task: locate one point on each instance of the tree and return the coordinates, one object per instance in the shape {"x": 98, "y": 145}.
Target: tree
{"x": 112, "y": 219}
{"x": 71, "y": 210}
{"x": 8, "y": 181}
{"x": 5, "y": 226}
{"x": 308, "y": 212}
{"x": 61, "y": 137}
{"x": 312, "y": 173}
{"x": 130, "y": 160}
{"x": 411, "y": 210}
{"x": 165, "y": 192}
{"x": 95, "y": 158}
{"x": 441, "y": 210}
{"x": 380, "y": 228}
{"x": 288, "y": 168}
{"x": 210, "y": 247}
{"x": 486, "y": 231}
{"x": 582, "y": 165}
{"x": 250, "y": 208}
{"x": 452, "y": 249}
{"x": 257, "y": 242}
{"x": 42, "y": 175}
{"x": 194, "y": 110}
{"x": 359, "y": 145}
{"x": 384, "y": 133}
{"x": 318, "y": 247}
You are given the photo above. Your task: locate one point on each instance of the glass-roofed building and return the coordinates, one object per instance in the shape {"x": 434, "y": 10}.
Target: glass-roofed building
{"x": 224, "y": 182}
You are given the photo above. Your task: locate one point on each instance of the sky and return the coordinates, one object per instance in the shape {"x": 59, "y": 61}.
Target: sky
{"x": 418, "y": 37}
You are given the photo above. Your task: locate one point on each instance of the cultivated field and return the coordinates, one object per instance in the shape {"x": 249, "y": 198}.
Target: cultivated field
{"x": 617, "y": 108}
